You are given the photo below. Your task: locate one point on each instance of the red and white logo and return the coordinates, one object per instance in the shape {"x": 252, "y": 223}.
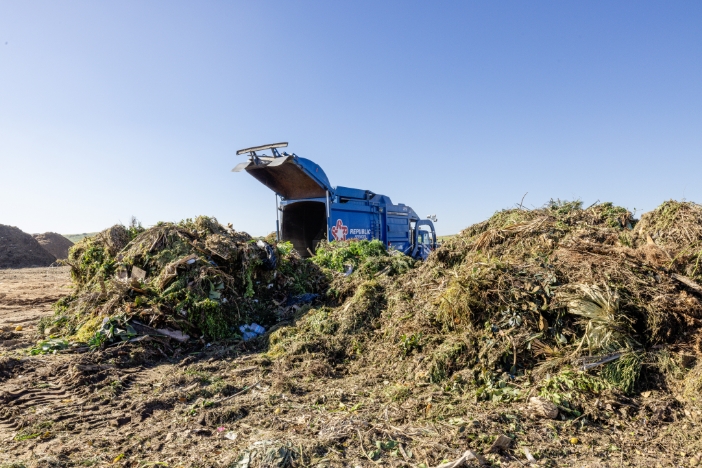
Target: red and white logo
{"x": 339, "y": 231}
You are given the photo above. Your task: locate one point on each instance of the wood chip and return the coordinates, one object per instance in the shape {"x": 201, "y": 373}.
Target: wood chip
{"x": 467, "y": 456}
{"x": 530, "y": 458}
{"x": 543, "y": 408}
{"x": 687, "y": 282}
{"x": 502, "y": 442}
{"x": 138, "y": 273}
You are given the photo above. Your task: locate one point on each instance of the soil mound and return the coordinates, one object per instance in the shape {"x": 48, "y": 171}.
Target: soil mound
{"x": 20, "y": 250}
{"x": 55, "y": 244}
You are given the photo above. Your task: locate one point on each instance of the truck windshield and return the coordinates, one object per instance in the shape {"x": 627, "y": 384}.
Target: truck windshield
{"x": 424, "y": 237}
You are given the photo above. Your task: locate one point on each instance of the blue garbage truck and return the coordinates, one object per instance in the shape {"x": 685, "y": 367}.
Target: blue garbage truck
{"x": 309, "y": 210}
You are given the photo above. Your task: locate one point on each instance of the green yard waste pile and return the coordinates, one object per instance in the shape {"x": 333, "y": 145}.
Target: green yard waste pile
{"x": 192, "y": 280}
{"x": 565, "y": 334}
{"x": 559, "y": 301}
{"x": 562, "y": 288}
{"x": 539, "y": 301}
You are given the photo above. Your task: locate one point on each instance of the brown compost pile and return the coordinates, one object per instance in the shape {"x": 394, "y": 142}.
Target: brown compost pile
{"x": 671, "y": 236}
{"x": 592, "y": 314}
{"x": 54, "y": 243}
{"x": 193, "y": 280}
{"x": 20, "y": 250}
{"x": 561, "y": 301}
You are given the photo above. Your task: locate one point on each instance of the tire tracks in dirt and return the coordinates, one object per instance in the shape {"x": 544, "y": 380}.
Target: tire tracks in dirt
{"x": 64, "y": 397}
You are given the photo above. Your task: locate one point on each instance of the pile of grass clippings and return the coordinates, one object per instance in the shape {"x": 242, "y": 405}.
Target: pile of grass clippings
{"x": 671, "y": 236}
{"x": 195, "y": 279}
{"x": 585, "y": 307}
{"x": 562, "y": 301}
{"x": 553, "y": 289}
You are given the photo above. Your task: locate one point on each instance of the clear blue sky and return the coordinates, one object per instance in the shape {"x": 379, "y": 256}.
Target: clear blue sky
{"x": 114, "y": 109}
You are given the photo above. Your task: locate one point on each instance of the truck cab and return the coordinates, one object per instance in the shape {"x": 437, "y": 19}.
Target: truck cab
{"x": 310, "y": 210}
{"x": 426, "y": 242}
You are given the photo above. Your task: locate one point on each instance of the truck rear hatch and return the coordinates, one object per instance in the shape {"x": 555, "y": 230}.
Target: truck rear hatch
{"x": 291, "y": 177}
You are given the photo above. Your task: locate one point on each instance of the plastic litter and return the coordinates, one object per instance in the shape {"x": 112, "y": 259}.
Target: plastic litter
{"x": 301, "y": 299}
{"x": 251, "y": 331}
{"x": 271, "y": 260}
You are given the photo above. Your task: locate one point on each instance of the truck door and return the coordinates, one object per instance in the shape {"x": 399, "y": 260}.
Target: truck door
{"x": 423, "y": 239}
{"x": 304, "y": 188}
{"x": 398, "y": 232}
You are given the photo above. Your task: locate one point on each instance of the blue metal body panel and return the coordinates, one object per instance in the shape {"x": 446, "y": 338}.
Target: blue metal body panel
{"x": 314, "y": 171}
{"x": 350, "y": 213}
{"x": 350, "y": 193}
{"x": 372, "y": 217}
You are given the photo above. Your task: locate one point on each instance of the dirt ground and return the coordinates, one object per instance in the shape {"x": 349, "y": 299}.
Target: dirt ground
{"x": 231, "y": 405}
{"x": 26, "y": 295}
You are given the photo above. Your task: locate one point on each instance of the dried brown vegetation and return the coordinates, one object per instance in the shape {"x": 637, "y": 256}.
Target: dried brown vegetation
{"x": 586, "y": 309}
